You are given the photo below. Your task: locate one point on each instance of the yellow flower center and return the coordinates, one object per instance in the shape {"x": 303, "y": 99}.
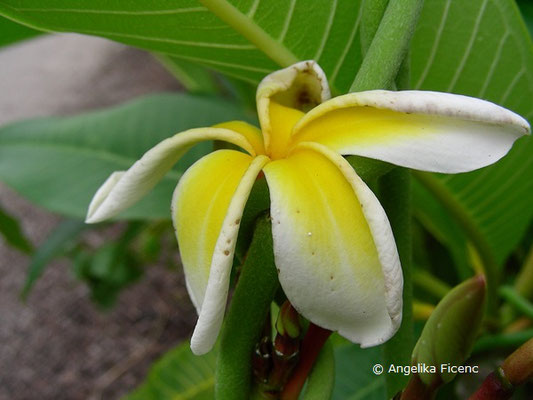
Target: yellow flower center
{"x": 282, "y": 120}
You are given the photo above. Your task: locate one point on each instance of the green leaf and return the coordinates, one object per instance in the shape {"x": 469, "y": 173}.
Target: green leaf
{"x": 481, "y": 48}
{"x": 56, "y": 244}
{"x": 179, "y": 375}
{"x": 110, "y": 268}
{"x": 13, "y": 32}
{"x": 322, "y": 377}
{"x": 246, "y": 39}
{"x": 13, "y": 235}
{"x": 354, "y": 377}
{"x": 194, "y": 78}
{"x": 59, "y": 163}
{"x": 395, "y": 196}
{"x": 526, "y": 8}
{"x": 436, "y": 219}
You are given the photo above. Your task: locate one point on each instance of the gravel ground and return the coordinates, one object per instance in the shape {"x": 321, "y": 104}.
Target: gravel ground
{"x": 59, "y": 345}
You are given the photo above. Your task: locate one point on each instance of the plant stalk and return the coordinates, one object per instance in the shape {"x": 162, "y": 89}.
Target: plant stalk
{"x": 314, "y": 340}
{"x": 246, "y": 317}
{"x": 373, "y": 11}
{"x": 395, "y": 197}
{"x": 389, "y": 46}
{"x": 322, "y": 377}
{"x": 516, "y": 300}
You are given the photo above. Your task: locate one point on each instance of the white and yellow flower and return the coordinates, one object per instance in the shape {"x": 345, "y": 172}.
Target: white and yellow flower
{"x": 333, "y": 244}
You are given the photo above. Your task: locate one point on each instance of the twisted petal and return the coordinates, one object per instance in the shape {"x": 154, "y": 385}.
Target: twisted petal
{"x": 430, "y": 131}
{"x": 124, "y": 188}
{"x": 333, "y": 246}
{"x": 299, "y": 87}
{"x": 206, "y": 210}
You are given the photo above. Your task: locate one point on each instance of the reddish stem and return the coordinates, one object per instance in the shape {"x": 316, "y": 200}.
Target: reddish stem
{"x": 493, "y": 387}
{"x": 314, "y": 339}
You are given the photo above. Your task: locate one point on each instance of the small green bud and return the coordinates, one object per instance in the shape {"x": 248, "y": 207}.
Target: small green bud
{"x": 288, "y": 323}
{"x": 450, "y": 331}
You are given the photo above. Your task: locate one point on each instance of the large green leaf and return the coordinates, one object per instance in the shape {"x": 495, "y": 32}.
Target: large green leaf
{"x": 480, "y": 48}
{"x": 179, "y": 375}
{"x": 242, "y": 38}
{"x": 11, "y": 32}
{"x": 58, "y": 163}
{"x": 355, "y": 379}
{"x": 193, "y": 77}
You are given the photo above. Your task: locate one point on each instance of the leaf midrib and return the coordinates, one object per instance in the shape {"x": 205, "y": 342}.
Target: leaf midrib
{"x": 96, "y": 153}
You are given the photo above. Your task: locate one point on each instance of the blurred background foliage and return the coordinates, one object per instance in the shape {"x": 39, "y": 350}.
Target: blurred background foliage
{"x": 463, "y": 223}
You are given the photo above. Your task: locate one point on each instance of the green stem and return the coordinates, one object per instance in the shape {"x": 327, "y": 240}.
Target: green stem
{"x": 430, "y": 284}
{"x": 524, "y": 280}
{"x": 396, "y": 200}
{"x": 461, "y": 216}
{"x": 322, "y": 377}
{"x": 389, "y": 46}
{"x": 246, "y": 317}
{"x": 373, "y": 11}
{"x": 523, "y": 286}
{"x": 503, "y": 340}
{"x": 251, "y": 31}
{"x": 516, "y": 300}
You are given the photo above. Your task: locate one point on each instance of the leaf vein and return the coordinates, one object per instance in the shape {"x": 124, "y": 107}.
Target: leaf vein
{"x": 340, "y": 62}
{"x": 492, "y": 68}
{"x": 172, "y": 41}
{"x": 287, "y": 22}
{"x": 469, "y": 47}
{"x": 112, "y": 12}
{"x": 436, "y": 43}
{"x": 327, "y": 30}
{"x": 511, "y": 86}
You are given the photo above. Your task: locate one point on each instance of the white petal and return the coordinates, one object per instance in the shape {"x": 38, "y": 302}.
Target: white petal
{"x": 430, "y": 131}
{"x": 197, "y": 227}
{"x": 122, "y": 190}
{"x": 333, "y": 246}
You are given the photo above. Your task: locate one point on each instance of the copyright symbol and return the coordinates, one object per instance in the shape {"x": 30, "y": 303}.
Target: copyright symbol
{"x": 377, "y": 369}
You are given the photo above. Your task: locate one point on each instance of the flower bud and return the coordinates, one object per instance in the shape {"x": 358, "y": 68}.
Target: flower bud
{"x": 288, "y": 322}
{"x": 450, "y": 331}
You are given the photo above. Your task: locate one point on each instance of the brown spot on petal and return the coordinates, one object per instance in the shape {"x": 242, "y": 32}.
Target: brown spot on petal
{"x": 237, "y": 221}
{"x": 226, "y": 252}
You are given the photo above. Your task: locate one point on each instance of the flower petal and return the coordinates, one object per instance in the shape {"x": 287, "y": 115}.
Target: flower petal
{"x": 206, "y": 209}
{"x": 430, "y": 131}
{"x": 250, "y": 132}
{"x": 124, "y": 188}
{"x": 301, "y": 87}
{"x": 333, "y": 245}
